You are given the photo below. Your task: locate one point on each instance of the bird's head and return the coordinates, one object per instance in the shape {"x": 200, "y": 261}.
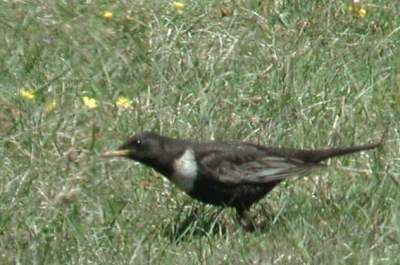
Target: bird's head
{"x": 140, "y": 147}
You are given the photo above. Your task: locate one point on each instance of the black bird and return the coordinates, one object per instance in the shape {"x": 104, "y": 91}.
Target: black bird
{"x": 232, "y": 174}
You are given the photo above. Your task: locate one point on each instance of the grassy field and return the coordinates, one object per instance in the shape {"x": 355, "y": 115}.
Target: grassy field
{"x": 302, "y": 74}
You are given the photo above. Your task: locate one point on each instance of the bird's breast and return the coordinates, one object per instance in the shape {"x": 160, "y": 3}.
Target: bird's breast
{"x": 185, "y": 171}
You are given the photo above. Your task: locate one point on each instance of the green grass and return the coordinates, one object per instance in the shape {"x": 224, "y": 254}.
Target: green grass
{"x": 298, "y": 74}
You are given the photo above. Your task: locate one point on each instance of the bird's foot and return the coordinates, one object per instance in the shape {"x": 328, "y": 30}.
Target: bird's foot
{"x": 245, "y": 220}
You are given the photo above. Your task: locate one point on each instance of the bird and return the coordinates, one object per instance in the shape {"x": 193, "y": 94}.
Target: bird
{"x": 226, "y": 173}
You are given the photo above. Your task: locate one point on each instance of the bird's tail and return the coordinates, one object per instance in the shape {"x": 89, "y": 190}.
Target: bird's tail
{"x": 318, "y": 155}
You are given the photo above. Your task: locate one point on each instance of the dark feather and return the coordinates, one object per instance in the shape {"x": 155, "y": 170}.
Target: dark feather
{"x": 236, "y": 163}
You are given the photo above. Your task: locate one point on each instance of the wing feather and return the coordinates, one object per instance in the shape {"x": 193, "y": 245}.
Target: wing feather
{"x": 252, "y": 168}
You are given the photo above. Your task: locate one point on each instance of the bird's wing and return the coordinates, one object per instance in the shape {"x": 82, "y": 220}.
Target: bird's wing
{"x": 250, "y": 168}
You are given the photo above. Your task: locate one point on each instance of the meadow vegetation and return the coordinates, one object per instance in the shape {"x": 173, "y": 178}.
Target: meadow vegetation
{"x": 78, "y": 77}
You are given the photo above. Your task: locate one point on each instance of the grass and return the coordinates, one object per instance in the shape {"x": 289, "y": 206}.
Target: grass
{"x": 298, "y": 74}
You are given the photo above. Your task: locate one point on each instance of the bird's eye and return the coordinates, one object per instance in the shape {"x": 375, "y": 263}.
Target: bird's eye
{"x": 138, "y": 142}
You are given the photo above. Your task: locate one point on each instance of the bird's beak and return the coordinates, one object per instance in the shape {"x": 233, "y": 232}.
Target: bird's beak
{"x": 117, "y": 153}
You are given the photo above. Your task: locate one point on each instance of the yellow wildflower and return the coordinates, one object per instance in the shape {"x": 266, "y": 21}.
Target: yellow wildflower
{"x": 361, "y": 12}
{"x": 356, "y": 9}
{"x": 178, "y": 6}
{"x": 90, "y": 103}
{"x": 50, "y": 106}
{"x": 27, "y": 94}
{"x": 107, "y": 14}
{"x": 123, "y": 102}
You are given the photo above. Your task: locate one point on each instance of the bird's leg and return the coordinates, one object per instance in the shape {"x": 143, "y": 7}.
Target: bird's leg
{"x": 243, "y": 215}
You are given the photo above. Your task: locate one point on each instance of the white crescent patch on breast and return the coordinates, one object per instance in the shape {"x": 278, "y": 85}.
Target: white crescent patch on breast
{"x": 185, "y": 171}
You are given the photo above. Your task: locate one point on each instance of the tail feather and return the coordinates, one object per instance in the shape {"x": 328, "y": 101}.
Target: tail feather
{"x": 316, "y": 156}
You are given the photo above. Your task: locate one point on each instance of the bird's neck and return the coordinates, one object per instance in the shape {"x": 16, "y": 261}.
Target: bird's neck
{"x": 162, "y": 166}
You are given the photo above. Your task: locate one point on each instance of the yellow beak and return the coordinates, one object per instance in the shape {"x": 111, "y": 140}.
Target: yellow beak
{"x": 116, "y": 153}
